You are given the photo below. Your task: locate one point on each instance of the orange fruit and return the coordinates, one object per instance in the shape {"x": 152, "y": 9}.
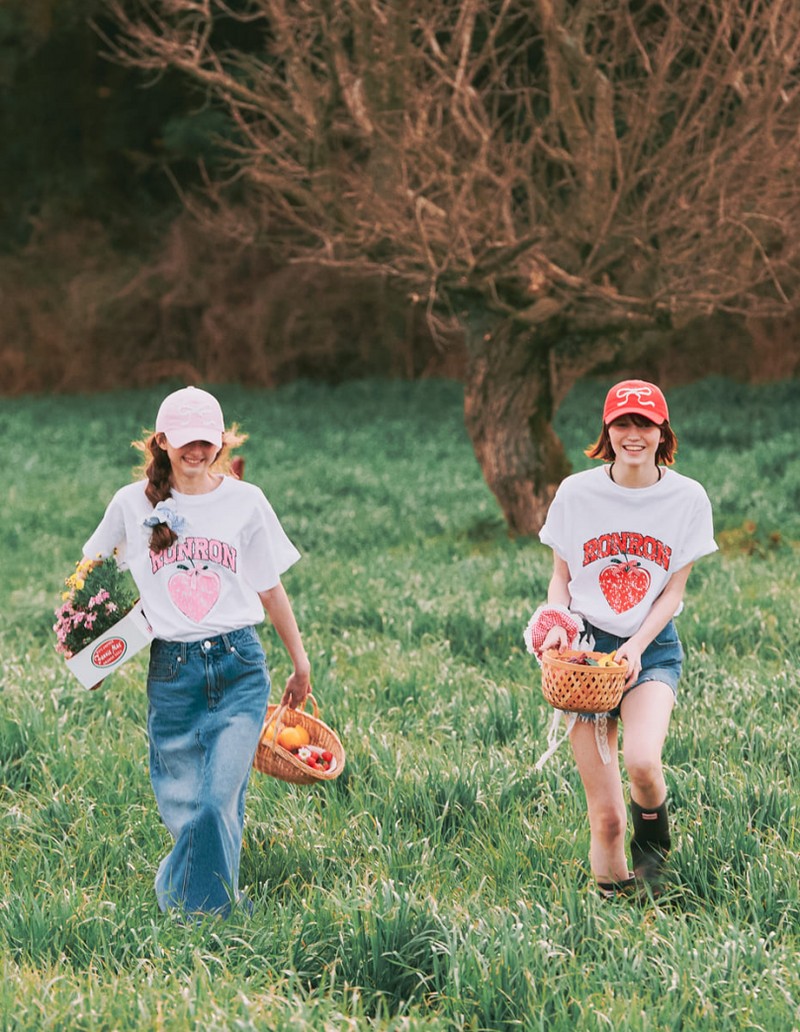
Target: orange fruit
{"x": 293, "y": 737}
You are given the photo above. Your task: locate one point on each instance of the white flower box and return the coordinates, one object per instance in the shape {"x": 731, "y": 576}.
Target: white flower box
{"x": 113, "y": 648}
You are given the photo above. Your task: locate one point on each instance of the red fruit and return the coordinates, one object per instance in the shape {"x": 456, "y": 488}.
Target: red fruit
{"x": 624, "y": 584}
{"x": 327, "y": 756}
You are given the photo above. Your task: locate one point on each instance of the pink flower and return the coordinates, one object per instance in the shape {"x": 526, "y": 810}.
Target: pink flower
{"x": 79, "y": 623}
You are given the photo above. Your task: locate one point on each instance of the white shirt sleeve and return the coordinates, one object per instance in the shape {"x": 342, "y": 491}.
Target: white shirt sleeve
{"x": 267, "y": 550}
{"x": 699, "y": 538}
{"x": 553, "y": 533}
{"x": 110, "y": 535}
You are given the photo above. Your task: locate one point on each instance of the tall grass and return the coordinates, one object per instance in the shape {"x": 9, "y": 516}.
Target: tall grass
{"x": 440, "y": 882}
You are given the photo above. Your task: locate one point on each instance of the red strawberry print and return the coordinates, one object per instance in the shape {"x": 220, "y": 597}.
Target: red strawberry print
{"x": 624, "y": 584}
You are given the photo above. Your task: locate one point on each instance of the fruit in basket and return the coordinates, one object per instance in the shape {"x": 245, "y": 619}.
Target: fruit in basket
{"x": 581, "y": 659}
{"x": 315, "y": 758}
{"x": 293, "y": 738}
{"x": 584, "y": 659}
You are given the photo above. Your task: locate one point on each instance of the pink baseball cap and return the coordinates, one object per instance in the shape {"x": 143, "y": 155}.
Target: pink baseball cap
{"x": 190, "y": 415}
{"x": 635, "y": 396}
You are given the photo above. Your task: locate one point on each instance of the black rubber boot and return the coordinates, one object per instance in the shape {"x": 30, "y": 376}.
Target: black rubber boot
{"x": 650, "y": 845}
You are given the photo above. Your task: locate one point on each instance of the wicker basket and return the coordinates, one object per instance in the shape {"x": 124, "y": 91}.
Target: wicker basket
{"x": 581, "y": 689}
{"x": 278, "y": 762}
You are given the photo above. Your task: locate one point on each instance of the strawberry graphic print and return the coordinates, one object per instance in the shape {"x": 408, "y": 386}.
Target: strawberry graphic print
{"x": 196, "y": 567}
{"x": 195, "y": 591}
{"x": 624, "y": 583}
{"x": 621, "y": 546}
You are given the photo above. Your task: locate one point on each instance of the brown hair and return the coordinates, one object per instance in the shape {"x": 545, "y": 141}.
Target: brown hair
{"x": 157, "y": 471}
{"x": 667, "y": 446}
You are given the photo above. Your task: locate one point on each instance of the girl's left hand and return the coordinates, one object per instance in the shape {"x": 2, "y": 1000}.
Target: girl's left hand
{"x": 633, "y": 654}
{"x": 297, "y": 688}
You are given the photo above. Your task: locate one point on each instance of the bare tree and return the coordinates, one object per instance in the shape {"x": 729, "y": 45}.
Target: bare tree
{"x": 556, "y": 175}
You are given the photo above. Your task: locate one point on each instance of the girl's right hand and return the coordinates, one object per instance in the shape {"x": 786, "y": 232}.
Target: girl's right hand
{"x": 556, "y": 638}
{"x": 297, "y": 688}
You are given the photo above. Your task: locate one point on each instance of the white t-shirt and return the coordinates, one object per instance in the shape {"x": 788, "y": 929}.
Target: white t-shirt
{"x": 622, "y": 545}
{"x": 207, "y": 583}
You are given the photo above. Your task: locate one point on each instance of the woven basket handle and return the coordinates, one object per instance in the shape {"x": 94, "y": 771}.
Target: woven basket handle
{"x": 305, "y": 701}
{"x": 276, "y": 716}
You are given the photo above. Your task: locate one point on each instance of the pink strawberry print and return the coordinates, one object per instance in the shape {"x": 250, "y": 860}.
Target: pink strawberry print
{"x": 194, "y": 591}
{"x": 624, "y": 584}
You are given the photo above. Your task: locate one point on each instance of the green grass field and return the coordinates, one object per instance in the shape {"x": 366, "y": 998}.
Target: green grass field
{"x": 440, "y": 883}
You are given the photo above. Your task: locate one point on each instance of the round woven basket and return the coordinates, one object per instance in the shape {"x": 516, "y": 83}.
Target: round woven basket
{"x": 581, "y": 689}
{"x": 278, "y": 762}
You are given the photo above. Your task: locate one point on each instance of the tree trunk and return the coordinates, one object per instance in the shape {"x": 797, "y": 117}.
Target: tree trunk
{"x": 510, "y": 398}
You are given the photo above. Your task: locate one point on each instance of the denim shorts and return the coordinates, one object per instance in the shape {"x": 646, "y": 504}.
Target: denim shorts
{"x": 662, "y": 660}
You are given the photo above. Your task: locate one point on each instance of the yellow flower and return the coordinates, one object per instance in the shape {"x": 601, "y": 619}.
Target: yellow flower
{"x": 79, "y": 583}
{"x": 65, "y": 595}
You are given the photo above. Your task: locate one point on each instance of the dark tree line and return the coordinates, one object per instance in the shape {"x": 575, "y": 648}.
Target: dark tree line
{"x": 81, "y": 135}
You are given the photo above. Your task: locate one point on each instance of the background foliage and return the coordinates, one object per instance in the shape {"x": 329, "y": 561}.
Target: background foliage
{"x": 105, "y": 281}
{"x": 440, "y": 883}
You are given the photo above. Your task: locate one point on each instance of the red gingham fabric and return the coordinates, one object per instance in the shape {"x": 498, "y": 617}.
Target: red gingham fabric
{"x": 543, "y": 620}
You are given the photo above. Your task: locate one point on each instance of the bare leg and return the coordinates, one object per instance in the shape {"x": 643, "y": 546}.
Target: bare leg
{"x": 645, "y": 714}
{"x": 608, "y": 817}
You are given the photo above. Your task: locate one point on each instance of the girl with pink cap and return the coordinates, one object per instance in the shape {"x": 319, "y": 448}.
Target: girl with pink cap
{"x": 207, "y": 552}
{"x": 624, "y": 537}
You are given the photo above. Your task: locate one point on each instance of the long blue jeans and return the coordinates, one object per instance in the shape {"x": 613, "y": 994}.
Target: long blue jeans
{"x": 207, "y": 704}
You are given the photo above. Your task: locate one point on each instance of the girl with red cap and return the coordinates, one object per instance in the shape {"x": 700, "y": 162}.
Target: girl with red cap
{"x": 207, "y": 552}
{"x": 624, "y": 537}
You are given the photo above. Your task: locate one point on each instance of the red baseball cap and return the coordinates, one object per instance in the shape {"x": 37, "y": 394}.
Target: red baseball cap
{"x": 190, "y": 415}
{"x": 635, "y": 396}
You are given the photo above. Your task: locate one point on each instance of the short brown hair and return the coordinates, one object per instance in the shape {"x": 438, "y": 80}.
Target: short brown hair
{"x": 667, "y": 446}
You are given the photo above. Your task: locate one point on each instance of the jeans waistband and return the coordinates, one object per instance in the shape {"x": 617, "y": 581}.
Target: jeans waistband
{"x": 590, "y": 628}
{"x": 204, "y": 646}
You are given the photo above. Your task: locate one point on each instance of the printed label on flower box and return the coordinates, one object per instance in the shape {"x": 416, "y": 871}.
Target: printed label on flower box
{"x": 109, "y": 652}
{"x": 113, "y": 649}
